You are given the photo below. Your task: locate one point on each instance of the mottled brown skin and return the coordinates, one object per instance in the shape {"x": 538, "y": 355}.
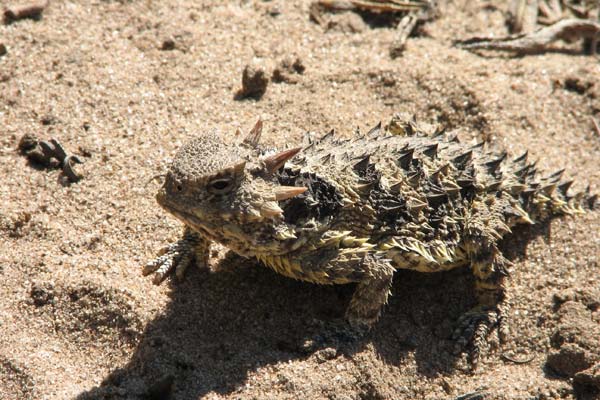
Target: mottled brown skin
{"x": 355, "y": 210}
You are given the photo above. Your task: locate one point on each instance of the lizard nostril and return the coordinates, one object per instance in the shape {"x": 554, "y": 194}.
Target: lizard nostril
{"x": 179, "y": 188}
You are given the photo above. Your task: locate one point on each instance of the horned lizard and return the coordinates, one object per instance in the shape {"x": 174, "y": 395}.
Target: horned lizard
{"x": 341, "y": 210}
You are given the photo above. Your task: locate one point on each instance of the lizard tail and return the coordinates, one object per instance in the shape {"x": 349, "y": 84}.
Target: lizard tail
{"x": 549, "y": 196}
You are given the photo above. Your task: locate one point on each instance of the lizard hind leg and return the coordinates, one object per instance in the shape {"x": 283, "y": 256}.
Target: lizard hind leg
{"x": 372, "y": 292}
{"x": 491, "y": 312}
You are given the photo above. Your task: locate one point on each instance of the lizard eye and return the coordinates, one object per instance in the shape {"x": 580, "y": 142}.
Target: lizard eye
{"x": 220, "y": 185}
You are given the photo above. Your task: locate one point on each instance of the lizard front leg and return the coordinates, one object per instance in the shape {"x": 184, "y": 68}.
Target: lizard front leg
{"x": 179, "y": 255}
{"x": 371, "y": 292}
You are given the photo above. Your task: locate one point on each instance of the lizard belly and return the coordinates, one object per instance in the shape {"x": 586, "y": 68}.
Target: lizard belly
{"x": 294, "y": 268}
{"x": 413, "y": 255}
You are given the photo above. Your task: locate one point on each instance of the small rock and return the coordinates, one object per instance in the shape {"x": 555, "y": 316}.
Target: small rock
{"x": 326, "y": 354}
{"x": 287, "y": 69}
{"x": 589, "y": 377}
{"x": 85, "y": 151}
{"x": 254, "y": 81}
{"x": 42, "y": 293}
{"x": 168, "y": 44}
{"x": 576, "y": 338}
{"x": 589, "y": 298}
{"x": 577, "y": 85}
{"x": 576, "y": 326}
{"x": 274, "y": 11}
{"x": 569, "y": 360}
{"x": 308, "y": 346}
{"x": 48, "y": 119}
{"x": 27, "y": 142}
{"x": 32, "y": 9}
{"x": 346, "y": 22}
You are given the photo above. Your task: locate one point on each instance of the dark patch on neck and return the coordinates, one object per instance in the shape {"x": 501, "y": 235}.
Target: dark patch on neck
{"x": 320, "y": 201}
{"x": 391, "y": 208}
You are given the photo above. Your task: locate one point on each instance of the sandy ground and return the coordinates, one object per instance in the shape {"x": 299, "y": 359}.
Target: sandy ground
{"x": 125, "y": 83}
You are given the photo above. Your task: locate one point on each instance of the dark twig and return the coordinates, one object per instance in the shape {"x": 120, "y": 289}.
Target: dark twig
{"x": 373, "y": 5}
{"x": 596, "y": 126}
{"x": 59, "y": 151}
{"x": 68, "y": 168}
{"x": 476, "y": 395}
{"x": 516, "y": 360}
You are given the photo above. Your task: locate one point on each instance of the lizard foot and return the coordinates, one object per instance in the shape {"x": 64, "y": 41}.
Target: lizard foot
{"x": 177, "y": 257}
{"x": 473, "y": 330}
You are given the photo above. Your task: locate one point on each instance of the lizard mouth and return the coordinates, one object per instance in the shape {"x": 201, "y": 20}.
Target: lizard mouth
{"x": 161, "y": 197}
{"x": 184, "y": 216}
{"x": 192, "y": 221}
{"x": 163, "y": 200}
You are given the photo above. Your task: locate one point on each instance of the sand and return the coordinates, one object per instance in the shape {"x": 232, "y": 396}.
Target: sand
{"x": 124, "y": 83}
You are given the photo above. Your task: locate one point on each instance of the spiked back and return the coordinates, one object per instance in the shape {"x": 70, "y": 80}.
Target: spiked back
{"x": 407, "y": 171}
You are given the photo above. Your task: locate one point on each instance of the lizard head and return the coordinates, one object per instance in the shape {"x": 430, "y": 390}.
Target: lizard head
{"x": 214, "y": 186}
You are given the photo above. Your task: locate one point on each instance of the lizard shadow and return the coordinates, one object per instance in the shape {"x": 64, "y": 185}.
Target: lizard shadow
{"x": 219, "y": 327}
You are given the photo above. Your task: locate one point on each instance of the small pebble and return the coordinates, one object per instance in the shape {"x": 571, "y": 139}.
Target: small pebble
{"x": 287, "y": 70}
{"x": 168, "y": 44}
{"x": 254, "y": 81}
{"x": 31, "y": 10}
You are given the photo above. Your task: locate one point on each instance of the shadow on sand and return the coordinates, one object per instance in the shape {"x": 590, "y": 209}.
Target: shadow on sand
{"x": 220, "y": 326}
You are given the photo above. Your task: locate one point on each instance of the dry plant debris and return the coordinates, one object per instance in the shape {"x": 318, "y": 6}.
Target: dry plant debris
{"x": 596, "y": 126}
{"x": 560, "y": 20}
{"x": 405, "y": 15}
{"x": 49, "y": 154}
{"x": 539, "y": 41}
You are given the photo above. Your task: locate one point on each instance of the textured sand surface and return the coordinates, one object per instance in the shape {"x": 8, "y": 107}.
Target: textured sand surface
{"x": 77, "y": 319}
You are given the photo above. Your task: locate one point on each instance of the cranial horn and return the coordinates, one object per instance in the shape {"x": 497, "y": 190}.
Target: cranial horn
{"x": 254, "y": 135}
{"x": 270, "y": 209}
{"x": 239, "y": 167}
{"x": 287, "y": 192}
{"x": 276, "y": 161}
